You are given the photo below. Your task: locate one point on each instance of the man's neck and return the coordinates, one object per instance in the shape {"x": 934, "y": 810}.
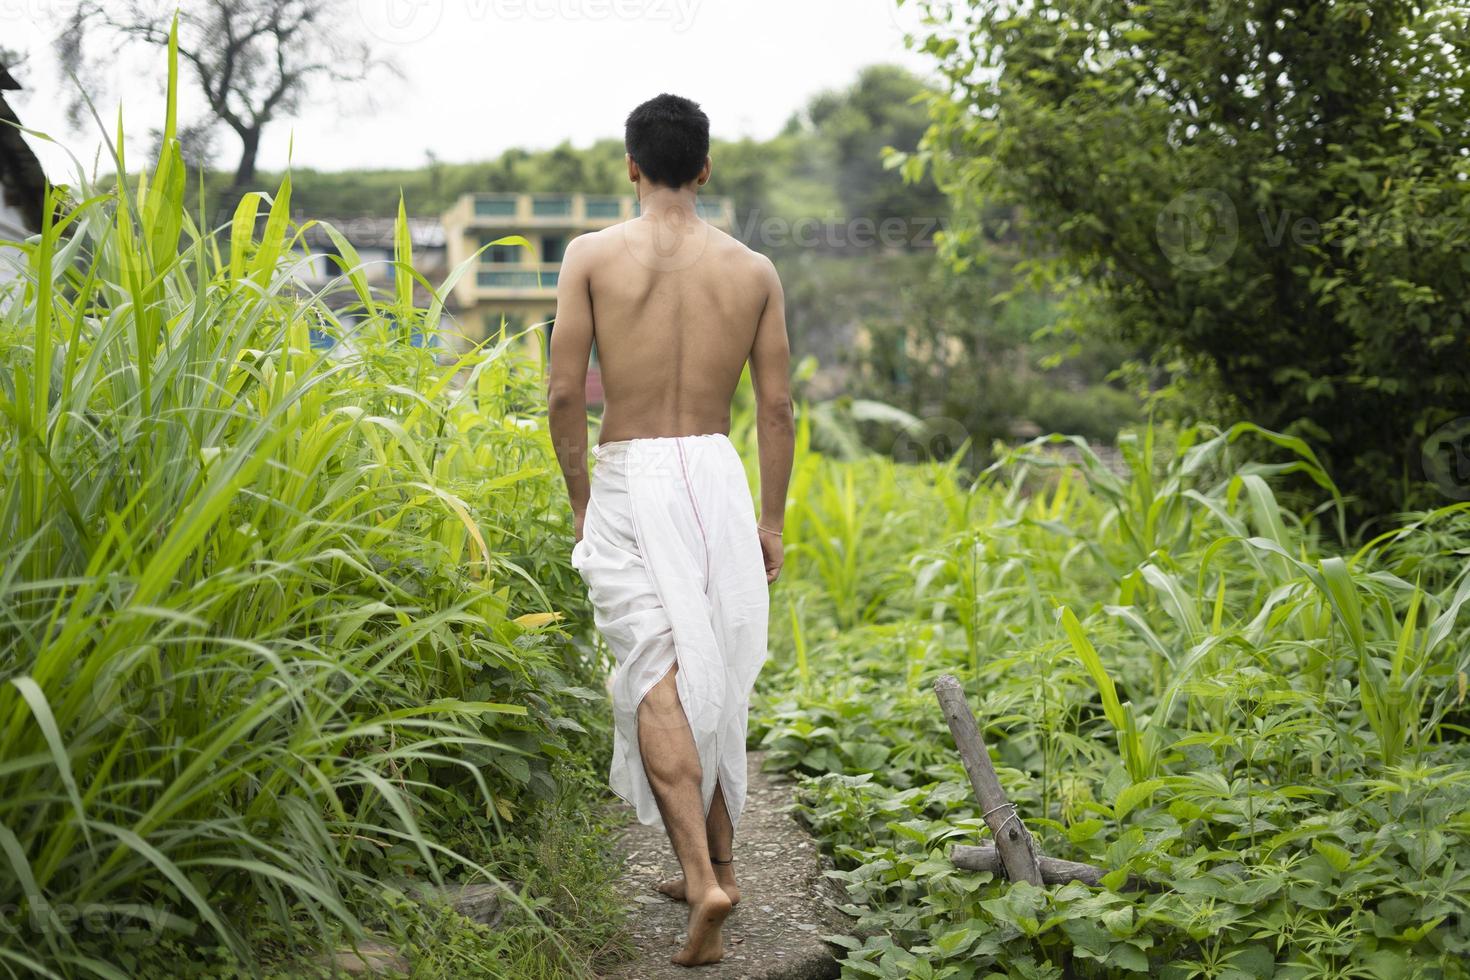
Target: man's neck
{"x": 657, "y": 201}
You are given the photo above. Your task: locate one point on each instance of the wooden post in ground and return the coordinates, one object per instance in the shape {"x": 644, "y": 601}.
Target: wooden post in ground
{"x": 1054, "y": 871}
{"x": 1012, "y": 840}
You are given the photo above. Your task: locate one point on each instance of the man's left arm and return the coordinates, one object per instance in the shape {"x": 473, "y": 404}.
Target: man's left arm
{"x": 566, "y": 396}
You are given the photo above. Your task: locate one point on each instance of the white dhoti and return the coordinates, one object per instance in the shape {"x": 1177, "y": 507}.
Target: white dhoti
{"x": 673, "y": 567}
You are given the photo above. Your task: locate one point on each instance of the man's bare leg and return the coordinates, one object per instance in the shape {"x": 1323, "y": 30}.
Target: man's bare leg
{"x": 672, "y": 764}
{"x": 719, "y": 834}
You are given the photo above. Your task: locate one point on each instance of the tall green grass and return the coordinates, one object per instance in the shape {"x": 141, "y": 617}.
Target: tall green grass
{"x": 272, "y": 618}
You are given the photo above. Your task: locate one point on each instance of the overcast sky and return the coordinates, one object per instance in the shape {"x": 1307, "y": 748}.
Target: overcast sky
{"x": 480, "y": 76}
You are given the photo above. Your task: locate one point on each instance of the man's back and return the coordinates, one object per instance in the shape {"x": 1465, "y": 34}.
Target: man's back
{"x": 666, "y": 539}
{"x": 675, "y": 307}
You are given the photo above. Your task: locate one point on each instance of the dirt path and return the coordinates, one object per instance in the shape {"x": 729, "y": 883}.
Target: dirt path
{"x": 774, "y": 933}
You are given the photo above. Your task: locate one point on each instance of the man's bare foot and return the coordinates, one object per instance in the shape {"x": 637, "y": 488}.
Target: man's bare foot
{"x": 724, "y": 874}
{"x": 706, "y": 944}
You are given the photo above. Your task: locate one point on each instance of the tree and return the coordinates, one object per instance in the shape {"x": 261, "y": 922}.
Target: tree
{"x": 254, "y": 60}
{"x": 854, "y": 126}
{"x": 1274, "y": 192}
{"x": 936, "y": 343}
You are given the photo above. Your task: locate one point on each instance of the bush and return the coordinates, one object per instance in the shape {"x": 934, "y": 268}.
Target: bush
{"x": 1097, "y": 412}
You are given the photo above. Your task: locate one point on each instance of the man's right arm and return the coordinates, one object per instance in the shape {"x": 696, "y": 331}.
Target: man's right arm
{"x": 770, "y": 371}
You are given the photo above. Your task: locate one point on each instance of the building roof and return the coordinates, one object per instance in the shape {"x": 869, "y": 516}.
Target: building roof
{"x": 20, "y": 172}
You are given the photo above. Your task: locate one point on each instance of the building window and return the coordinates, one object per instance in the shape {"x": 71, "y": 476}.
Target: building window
{"x": 500, "y": 254}
{"x": 553, "y": 247}
{"x": 551, "y": 206}
{"x": 493, "y": 320}
{"x": 604, "y": 207}
{"x": 496, "y": 206}
{"x": 515, "y": 279}
{"x": 498, "y": 279}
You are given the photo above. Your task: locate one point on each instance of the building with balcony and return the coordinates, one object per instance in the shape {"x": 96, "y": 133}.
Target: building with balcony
{"x": 321, "y": 268}
{"x": 517, "y": 285}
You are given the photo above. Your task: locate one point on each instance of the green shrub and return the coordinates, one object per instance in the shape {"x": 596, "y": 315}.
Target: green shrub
{"x": 1097, "y": 412}
{"x": 1180, "y": 680}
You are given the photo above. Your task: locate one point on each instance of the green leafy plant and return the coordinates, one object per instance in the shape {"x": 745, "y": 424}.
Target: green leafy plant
{"x": 1182, "y": 680}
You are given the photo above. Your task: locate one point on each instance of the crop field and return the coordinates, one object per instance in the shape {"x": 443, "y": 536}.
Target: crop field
{"x": 1182, "y": 680}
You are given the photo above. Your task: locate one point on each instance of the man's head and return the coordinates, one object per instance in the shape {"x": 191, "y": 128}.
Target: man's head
{"x": 667, "y": 139}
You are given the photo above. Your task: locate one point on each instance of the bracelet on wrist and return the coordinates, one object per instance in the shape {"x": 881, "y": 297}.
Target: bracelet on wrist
{"x": 768, "y": 530}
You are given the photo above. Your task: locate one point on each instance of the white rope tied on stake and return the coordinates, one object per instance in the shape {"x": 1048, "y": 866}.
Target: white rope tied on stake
{"x": 1014, "y": 815}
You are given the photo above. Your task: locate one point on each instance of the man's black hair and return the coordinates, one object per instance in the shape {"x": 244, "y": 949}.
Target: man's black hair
{"x": 668, "y": 137}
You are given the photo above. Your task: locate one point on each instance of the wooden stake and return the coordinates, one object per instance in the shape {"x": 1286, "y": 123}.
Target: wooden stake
{"x": 1012, "y": 840}
{"x": 1054, "y": 871}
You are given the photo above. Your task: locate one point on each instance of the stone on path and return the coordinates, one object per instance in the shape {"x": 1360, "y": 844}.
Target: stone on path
{"x": 785, "y": 900}
{"x": 480, "y": 902}
{"x": 371, "y": 957}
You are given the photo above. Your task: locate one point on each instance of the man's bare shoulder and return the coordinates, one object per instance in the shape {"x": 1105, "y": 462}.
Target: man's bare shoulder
{"x": 590, "y": 246}
{"x": 741, "y": 257}
{"x": 732, "y": 246}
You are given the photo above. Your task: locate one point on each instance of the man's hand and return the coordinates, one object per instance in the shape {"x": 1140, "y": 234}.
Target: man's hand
{"x": 579, "y": 518}
{"x": 774, "y": 553}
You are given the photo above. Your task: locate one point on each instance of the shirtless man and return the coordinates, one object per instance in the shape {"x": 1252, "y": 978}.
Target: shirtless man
{"x": 676, "y": 562}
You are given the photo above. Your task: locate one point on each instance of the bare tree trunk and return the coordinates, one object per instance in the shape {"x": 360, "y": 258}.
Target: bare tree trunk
{"x": 249, "y": 149}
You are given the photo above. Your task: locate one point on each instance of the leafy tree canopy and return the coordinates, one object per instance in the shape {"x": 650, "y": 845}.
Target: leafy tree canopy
{"x": 1272, "y": 192}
